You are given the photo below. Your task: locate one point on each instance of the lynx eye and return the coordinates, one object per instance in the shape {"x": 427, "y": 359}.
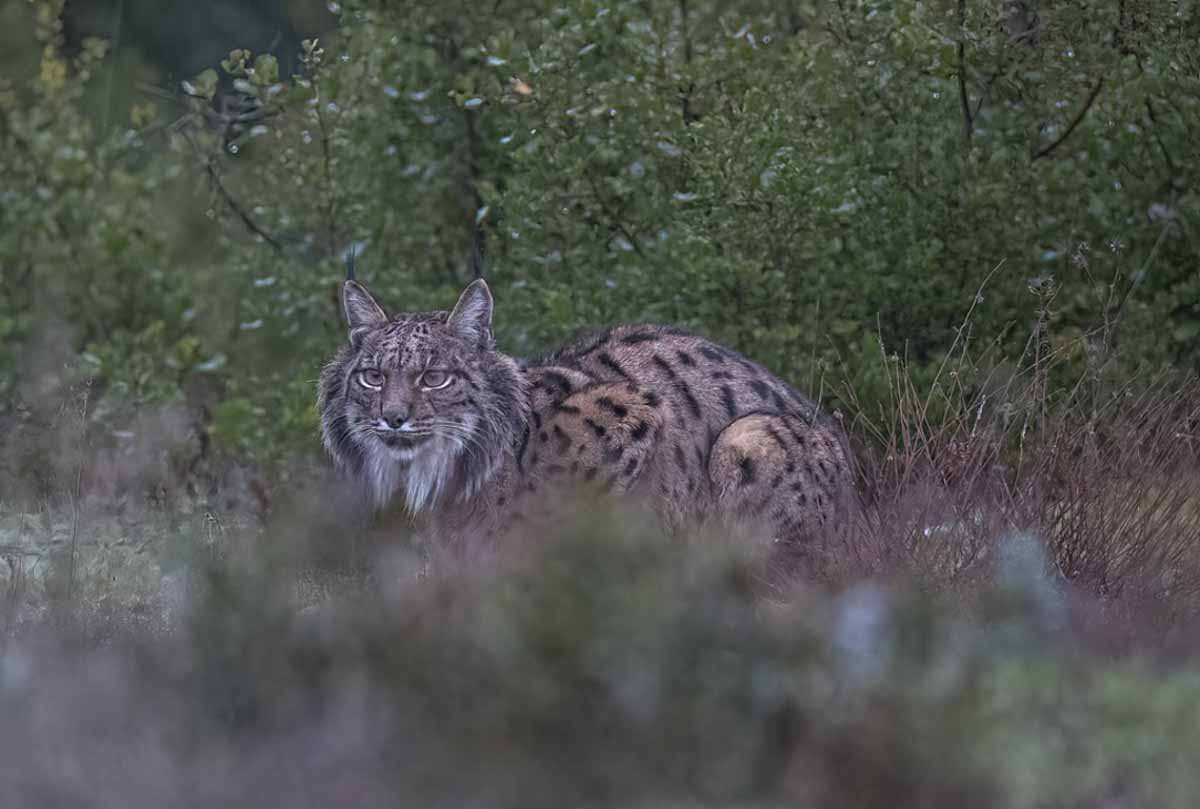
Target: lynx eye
{"x": 435, "y": 380}
{"x": 371, "y": 378}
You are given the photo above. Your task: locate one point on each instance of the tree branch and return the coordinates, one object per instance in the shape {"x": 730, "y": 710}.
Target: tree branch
{"x": 215, "y": 178}
{"x": 1091, "y": 99}
{"x": 613, "y": 221}
{"x": 968, "y": 119}
{"x": 478, "y": 235}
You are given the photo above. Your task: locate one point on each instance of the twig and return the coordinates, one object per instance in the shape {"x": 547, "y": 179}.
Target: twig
{"x": 118, "y": 13}
{"x": 327, "y": 156}
{"x": 1045, "y": 151}
{"x": 214, "y": 176}
{"x": 241, "y": 213}
{"x": 968, "y": 120}
{"x": 478, "y": 234}
{"x": 611, "y": 215}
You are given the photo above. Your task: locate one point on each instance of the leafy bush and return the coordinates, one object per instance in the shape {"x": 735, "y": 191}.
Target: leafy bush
{"x": 807, "y": 183}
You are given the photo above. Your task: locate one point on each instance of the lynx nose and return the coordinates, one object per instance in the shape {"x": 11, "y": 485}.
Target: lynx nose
{"x": 396, "y": 418}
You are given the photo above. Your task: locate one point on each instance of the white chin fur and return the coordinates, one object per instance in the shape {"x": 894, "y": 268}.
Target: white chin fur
{"x": 422, "y": 472}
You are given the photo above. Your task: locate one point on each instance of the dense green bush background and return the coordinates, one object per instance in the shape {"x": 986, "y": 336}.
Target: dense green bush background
{"x": 803, "y": 180}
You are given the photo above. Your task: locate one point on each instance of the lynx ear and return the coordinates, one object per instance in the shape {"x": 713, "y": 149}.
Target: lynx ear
{"x": 472, "y": 315}
{"x": 362, "y": 313}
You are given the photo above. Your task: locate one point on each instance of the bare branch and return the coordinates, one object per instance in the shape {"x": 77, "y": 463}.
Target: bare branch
{"x": 968, "y": 119}
{"x": 613, "y": 220}
{"x": 214, "y": 177}
{"x": 1091, "y": 99}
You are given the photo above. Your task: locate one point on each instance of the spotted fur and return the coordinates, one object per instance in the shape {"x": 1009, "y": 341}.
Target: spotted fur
{"x": 421, "y": 406}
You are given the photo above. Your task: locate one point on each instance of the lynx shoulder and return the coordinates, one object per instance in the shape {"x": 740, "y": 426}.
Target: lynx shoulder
{"x": 422, "y": 407}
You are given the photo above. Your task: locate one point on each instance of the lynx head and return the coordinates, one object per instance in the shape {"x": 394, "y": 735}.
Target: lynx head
{"x": 421, "y": 402}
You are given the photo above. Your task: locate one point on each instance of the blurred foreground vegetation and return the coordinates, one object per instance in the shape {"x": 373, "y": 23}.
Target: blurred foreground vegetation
{"x": 968, "y": 228}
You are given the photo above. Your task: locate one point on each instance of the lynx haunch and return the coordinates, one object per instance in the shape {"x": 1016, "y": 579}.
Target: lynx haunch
{"x": 422, "y": 406}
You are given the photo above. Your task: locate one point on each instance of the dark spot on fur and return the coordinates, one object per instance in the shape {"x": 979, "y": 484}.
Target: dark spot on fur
{"x": 790, "y": 468}
{"x": 608, "y": 362}
{"x": 775, "y": 481}
{"x": 521, "y": 449}
{"x": 664, "y": 365}
{"x": 652, "y": 400}
{"x": 566, "y": 408}
{"x": 746, "y": 465}
{"x": 680, "y": 459}
{"x": 631, "y": 467}
{"x": 639, "y": 337}
{"x": 730, "y": 403}
{"x": 689, "y": 397}
{"x": 640, "y": 431}
{"x": 799, "y": 439}
{"x": 543, "y": 437}
{"x": 590, "y": 474}
{"x": 686, "y": 358}
{"x": 537, "y": 420}
{"x": 598, "y": 429}
{"x": 760, "y": 388}
{"x": 778, "y": 401}
{"x": 501, "y": 500}
{"x": 553, "y": 380}
{"x": 582, "y": 448}
{"x": 712, "y": 354}
{"x": 564, "y": 440}
{"x": 618, "y": 410}
{"x": 771, "y": 431}
{"x": 613, "y": 454}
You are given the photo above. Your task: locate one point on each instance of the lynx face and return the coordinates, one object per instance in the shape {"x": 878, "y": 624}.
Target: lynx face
{"x": 420, "y": 402}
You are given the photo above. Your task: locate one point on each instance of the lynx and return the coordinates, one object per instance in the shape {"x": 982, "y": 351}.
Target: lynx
{"x": 421, "y": 406}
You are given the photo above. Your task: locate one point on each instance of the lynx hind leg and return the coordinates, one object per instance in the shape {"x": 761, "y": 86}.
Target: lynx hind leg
{"x": 605, "y": 433}
{"x": 790, "y": 475}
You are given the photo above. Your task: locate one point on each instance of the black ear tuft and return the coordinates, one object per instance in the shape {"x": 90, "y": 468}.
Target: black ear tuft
{"x": 362, "y": 312}
{"x": 472, "y": 315}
